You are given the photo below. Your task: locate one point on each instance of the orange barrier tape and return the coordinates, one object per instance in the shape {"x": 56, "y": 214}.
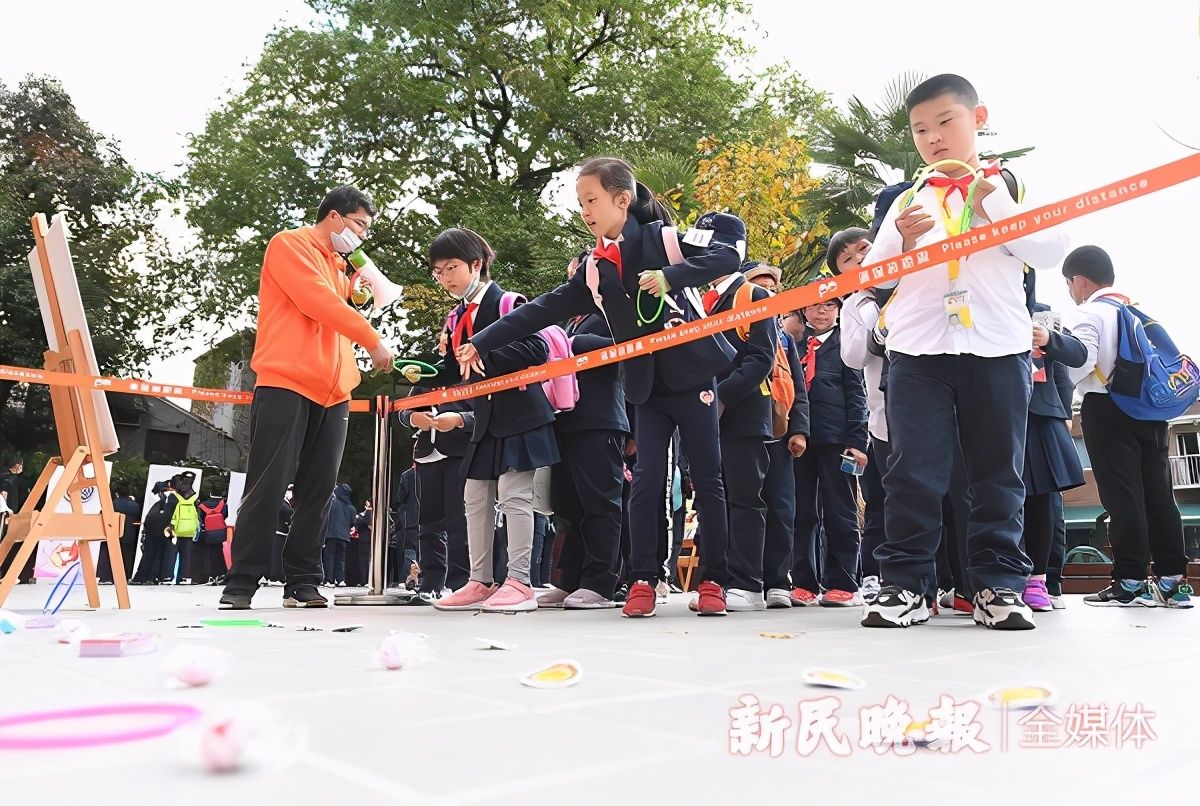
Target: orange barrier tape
{"x": 975, "y": 240}
{"x": 136, "y": 386}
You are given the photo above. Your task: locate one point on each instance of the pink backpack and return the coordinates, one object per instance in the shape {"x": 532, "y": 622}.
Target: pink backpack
{"x": 563, "y": 391}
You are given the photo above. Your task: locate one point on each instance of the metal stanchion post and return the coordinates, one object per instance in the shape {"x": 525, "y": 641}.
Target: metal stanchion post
{"x": 381, "y": 487}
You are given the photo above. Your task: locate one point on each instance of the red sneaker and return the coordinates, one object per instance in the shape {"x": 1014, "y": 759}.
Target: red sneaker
{"x": 963, "y": 605}
{"x": 839, "y": 598}
{"x": 803, "y": 598}
{"x": 711, "y": 601}
{"x": 639, "y": 603}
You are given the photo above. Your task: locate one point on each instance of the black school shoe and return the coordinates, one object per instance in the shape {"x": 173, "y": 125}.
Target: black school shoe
{"x": 238, "y": 593}
{"x": 304, "y": 596}
{"x": 237, "y": 597}
{"x": 1002, "y": 609}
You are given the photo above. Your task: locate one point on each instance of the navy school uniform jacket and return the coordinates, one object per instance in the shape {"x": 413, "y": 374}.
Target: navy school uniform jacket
{"x": 798, "y": 418}
{"x": 407, "y": 499}
{"x": 341, "y": 515}
{"x": 448, "y": 443}
{"x": 678, "y": 369}
{"x": 837, "y": 399}
{"x": 515, "y": 411}
{"x": 747, "y": 410}
{"x": 133, "y": 516}
{"x": 1062, "y": 351}
{"x": 601, "y": 404}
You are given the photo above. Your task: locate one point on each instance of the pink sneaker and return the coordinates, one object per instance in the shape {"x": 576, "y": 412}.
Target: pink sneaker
{"x": 469, "y": 597}
{"x": 513, "y": 597}
{"x": 554, "y": 599}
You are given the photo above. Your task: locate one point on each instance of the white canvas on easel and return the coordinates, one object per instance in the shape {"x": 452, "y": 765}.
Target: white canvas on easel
{"x": 83, "y": 427}
{"x": 74, "y": 318}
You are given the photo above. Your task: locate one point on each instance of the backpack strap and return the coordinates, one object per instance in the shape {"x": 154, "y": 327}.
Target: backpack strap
{"x": 1121, "y": 303}
{"x": 742, "y": 300}
{"x": 510, "y": 300}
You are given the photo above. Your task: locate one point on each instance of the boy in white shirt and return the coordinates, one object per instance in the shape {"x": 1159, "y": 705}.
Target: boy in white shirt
{"x": 1129, "y": 457}
{"x": 958, "y": 338}
{"x": 860, "y": 351}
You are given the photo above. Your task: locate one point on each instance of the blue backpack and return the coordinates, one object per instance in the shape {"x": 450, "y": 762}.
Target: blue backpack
{"x": 1151, "y": 379}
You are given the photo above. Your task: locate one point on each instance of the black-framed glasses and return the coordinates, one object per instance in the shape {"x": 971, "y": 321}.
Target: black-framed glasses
{"x": 363, "y": 227}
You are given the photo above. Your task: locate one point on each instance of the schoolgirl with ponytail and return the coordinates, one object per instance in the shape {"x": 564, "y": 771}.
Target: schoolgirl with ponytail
{"x": 641, "y": 276}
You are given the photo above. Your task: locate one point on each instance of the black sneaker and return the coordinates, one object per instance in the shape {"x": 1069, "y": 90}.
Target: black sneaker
{"x": 423, "y": 599}
{"x": 1117, "y": 595}
{"x": 1002, "y": 609}
{"x": 236, "y": 599}
{"x": 304, "y": 596}
{"x": 895, "y": 607}
{"x": 621, "y": 593}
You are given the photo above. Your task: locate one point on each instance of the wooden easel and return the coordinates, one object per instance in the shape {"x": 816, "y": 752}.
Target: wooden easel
{"x": 79, "y": 444}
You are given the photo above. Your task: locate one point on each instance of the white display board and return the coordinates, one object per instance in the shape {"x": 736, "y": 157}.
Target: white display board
{"x": 237, "y": 486}
{"x": 156, "y": 474}
{"x": 62, "y": 270}
{"x": 55, "y": 556}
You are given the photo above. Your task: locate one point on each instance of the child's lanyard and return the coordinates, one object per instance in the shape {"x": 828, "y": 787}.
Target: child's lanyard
{"x": 954, "y": 229}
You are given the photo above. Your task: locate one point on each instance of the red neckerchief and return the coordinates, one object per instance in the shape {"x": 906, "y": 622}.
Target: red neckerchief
{"x": 611, "y": 253}
{"x": 962, "y": 184}
{"x": 464, "y": 324}
{"x": 810, "y": 361}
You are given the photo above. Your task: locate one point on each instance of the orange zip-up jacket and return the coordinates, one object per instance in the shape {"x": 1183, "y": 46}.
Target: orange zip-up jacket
{"x": 305, "y": 325}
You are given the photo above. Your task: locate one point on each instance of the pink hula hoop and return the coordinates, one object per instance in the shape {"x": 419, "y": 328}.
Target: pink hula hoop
{"x": 178, "y": 716}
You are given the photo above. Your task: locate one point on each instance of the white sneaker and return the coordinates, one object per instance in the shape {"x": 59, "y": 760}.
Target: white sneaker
{"x": 662, "y": 592}
{"x": 869, "y": 588}
{"x": 778, "y": 598}
{"x": 740, "y": 601}
{"x": 1058, "y": 603}
{"x": 946, "y": 599}
{"x": 895, "y": 607}
{"x": 1002, "y": 609}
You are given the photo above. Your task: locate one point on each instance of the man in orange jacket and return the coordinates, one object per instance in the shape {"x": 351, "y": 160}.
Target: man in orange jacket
{"x": 306, "y": 370}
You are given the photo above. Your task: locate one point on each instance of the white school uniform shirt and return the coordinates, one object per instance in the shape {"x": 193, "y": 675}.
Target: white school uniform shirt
{"x": 1095, "y": 324}
{"x": 860, "y": 312}
{"x": 723, "y": 286}
{"x": 916, "y": 318}
{"x": 477, "y": 298}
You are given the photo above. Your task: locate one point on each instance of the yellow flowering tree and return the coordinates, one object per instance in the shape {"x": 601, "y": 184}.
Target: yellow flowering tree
{"x": 764, "y": 181}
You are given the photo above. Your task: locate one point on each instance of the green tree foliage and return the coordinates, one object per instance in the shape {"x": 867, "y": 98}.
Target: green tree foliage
{"x": 52, "y": 161}
{"x": 463, "y": 113}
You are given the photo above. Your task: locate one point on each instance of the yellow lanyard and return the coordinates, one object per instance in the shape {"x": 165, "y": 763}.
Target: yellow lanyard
{"x": 956, "y": 228}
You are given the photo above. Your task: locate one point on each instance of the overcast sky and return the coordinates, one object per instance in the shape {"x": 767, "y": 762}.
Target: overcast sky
{"x": 1088, "y": 82}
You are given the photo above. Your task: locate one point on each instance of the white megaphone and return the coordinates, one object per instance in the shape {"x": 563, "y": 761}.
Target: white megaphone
{"x": 383, "y": 291}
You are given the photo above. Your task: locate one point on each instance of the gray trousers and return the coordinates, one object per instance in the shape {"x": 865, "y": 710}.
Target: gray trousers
{"x": 515, "y": 491}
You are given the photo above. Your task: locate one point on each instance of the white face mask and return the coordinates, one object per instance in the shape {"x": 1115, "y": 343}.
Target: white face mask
{"x": 345, "y": 241}
{"x": 471, "y": 289}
